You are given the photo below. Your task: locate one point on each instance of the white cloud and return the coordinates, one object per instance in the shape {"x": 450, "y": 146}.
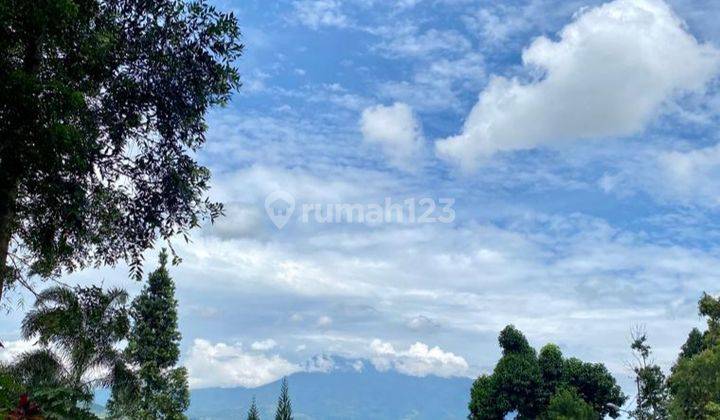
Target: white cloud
{"x": 690, "y": 176}
{"x": 324, "y": 321}
{"x": 422, "y": 322}
{"x": 320, "y": 363}
{"x": 438, "y": 83}
{"x": 609, "y": 73}
{"x": 241, "y": 220}
{"x": 404, "y": 40}
{"x": 318, "y": 13}
{"x": 264, "y": 345}
{"x": 223, "y": 365}
{"x": 395, "y": 129}
{"x": 12, "y": 349}
{"x": 418, "y": 360}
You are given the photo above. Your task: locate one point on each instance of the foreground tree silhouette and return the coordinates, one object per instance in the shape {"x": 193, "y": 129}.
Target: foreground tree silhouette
{"x": 284, "y": 407}
{"x": 102, "y": 105}
{"x": 524, "y": 383}
{"x": 151, "y": 386}
{"x": 77, "y": 331}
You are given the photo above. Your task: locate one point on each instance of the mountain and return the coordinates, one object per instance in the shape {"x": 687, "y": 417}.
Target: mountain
{"x": 343, "y": 393}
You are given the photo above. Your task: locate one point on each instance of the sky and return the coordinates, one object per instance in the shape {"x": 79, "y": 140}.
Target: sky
{"x": 565, "y": 152}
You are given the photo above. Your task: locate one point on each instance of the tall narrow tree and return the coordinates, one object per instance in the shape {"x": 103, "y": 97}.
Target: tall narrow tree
{"x": 160, "y": 389}
{"x": 284, "y": 408}
{"x": 253, "y": 413}
{"x": 651, "y": 401}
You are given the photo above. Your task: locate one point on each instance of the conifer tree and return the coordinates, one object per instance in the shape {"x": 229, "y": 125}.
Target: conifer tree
{"x": 160, "y": 390}
{"x": 253, "y": 413}
{"x": 284, "y": 408}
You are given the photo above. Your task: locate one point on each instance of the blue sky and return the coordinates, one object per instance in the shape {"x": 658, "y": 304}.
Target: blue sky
{"x": 578, "y": 140}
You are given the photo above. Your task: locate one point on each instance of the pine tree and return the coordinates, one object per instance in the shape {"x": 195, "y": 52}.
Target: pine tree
{"x": 253, "y": 413}
{"x": 159, "y": 389}
{"x": 284, "y": 408}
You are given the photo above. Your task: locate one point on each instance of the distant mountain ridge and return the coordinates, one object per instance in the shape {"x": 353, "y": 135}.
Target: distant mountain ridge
{"x": 343, "y": 393}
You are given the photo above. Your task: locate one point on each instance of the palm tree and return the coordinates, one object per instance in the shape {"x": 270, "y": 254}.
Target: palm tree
{"x": 78, "y": 330}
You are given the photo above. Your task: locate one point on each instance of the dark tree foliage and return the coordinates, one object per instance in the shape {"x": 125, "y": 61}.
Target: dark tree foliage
{"x": 253, "y": 413}
{"x": 709, "y": 307}
{"x": 284, "y": 407}
{"x": 525, "y": 384}
{"x": 152, "y": 387}
{"x": 594, "y": 383}
{"x": 552, "y": 370}
{"x": 484, "y": 403}
{"x": 566, "y": 404}
{"x": 693, "y": 345}
{"x": 102, "y": 106}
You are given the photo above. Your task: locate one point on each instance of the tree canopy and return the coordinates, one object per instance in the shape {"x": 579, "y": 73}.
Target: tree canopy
{"x": 695, "y": 379}
{"x": 525, "y": 383}
{"x": 102, "y": 107}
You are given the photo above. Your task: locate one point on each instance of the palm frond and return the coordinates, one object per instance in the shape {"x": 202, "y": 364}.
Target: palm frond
{"x": 38, "y": 367}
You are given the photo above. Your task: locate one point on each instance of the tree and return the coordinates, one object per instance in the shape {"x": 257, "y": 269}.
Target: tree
{"x": 153, "y": 387}
{"x": 253, "y": 413}
{"x": 526, "y": 384}
{"x": 566, "y": 404}
{"x": 694, "y": 383}
{"x": 102, "y": 106}
{"x": 651, "y": 402}
{"x": 284, "y": 407}
{"x": 78, "y": 331}
{"x": 552, "y": 369}
{"x": 595, "y": 385}
{"x": 695, "y": 387}
{"x": 693, "y": 345}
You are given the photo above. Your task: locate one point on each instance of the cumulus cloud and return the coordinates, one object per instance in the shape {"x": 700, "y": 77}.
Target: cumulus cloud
{"x": 607, "y": 75}
{"x": 395, "y": 129}
{"x": 418, "y": 360}
{"x": 223, "y": 365}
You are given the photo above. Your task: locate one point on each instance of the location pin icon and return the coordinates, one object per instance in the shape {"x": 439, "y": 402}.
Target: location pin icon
{"x": 279, "y": 206}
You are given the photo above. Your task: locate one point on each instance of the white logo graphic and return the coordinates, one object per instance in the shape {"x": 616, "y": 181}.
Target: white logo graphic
{"x": 280, "y": 206}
